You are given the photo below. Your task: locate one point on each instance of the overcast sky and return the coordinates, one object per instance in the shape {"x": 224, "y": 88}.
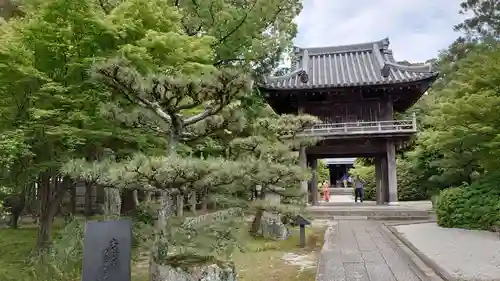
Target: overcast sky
{"x": 417, "y": 29}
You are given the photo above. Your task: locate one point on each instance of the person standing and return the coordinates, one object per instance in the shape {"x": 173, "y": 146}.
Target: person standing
{"x": 344, "y": 180}
{"x": 326, "y": 191}
{"x": 359, "y": 185}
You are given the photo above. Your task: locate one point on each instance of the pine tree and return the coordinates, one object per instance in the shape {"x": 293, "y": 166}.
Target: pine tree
{"x": 185, "y": 84}
{"x": 265, "y": 159}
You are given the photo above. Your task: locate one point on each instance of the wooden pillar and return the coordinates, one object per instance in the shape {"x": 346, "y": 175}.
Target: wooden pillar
{"x": 314, "y": 181}
{"x": 381, "y": 180}
{"x": 391, "y": 173}
{"x": 303, "y": 165}
{"x": 333, "y": 182}
{"x": 385, "y": 181}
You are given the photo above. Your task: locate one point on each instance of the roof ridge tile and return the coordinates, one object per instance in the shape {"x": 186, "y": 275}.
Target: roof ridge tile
{"x": 357, "y": 47}
{"x": 346, "y": 65}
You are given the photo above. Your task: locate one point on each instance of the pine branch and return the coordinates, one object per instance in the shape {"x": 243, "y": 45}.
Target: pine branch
{"x": 128, "y": 83}
{"x": 169, "y": 96}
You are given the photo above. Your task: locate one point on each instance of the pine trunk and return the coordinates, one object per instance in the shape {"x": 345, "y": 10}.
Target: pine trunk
{"x": 166, "y": 205}
{"x": 254, "y": 231}
{"x": 135, "y": 196}
{"x": 204, "y": 202}
{"x": 193, "y": 202}
{"x": 180, "y": 205}
{"x": 88, "y": 199}
{"x": 113, "y": 202}
{"x": 72, "y": 198}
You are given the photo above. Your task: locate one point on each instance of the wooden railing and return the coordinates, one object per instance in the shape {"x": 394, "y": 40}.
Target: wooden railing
{"x": 355, "y": 128}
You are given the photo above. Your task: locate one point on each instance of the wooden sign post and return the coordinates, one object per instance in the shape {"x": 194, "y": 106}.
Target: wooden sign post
{"x": 107, "y": 251}
{"x": 302, "y": 222}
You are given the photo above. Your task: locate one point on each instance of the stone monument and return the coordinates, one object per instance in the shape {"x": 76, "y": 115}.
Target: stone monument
{"x": 271, "y": 224}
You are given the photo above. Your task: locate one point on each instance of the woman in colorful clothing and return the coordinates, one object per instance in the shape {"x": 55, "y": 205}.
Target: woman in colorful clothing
{"x": 326, "y": 191}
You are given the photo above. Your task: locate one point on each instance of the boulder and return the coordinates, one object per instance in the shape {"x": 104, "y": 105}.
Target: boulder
{"x": 272, "y": 227}
{"x": 211, "y": 272}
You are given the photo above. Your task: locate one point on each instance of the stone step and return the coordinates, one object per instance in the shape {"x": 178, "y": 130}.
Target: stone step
{"x": 342, "y": 203}
{"x": 350, "y": 218}
{"x": 341, "y": 191}
{"x": 338, "y": 199}
{"x": 375, "y": 213}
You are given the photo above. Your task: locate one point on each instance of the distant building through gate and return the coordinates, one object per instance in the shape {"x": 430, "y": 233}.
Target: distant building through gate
{"x": 355, "y": 91}
{"x": 338, "y": 167}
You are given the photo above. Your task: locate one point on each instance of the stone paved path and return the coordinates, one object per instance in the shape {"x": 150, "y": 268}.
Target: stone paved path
{"x": 359, "y": 251}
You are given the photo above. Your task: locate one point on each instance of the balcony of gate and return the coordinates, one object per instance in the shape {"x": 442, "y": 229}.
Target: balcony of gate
{"x": 386, "y": 128}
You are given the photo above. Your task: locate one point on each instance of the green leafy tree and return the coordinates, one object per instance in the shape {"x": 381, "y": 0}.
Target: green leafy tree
{"x": 48, "y": 98}
{"x": 251, "y": 34}
{"x": 428, "y": 176}
{"x": 323, "y": 172}
{"x": 184, "y": 74}
{"x": 485, "y": 20}
{"x": 466, "y": 137}
{"x": 158, "y": 43}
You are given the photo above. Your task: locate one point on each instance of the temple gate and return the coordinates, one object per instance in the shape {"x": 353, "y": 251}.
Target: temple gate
{"x": 355, "y": 91}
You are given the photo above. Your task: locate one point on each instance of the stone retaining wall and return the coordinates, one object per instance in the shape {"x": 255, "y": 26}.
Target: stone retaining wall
{"x": 207, "y": 273}
{"x": 326, "y": 255}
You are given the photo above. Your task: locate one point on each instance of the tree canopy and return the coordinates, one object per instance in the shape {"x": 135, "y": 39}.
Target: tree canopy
{"x": 457, "y": 143}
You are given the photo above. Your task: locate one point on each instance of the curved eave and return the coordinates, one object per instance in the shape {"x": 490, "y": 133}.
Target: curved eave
{"x": 420, "y": 68}
{"x": 426, "y": 77}
{"x": 408, "y": 101}
{"x": 273, "y": 79}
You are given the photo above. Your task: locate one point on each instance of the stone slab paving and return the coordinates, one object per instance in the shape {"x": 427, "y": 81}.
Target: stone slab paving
{"x": 358, "y": 251}
{"x": 339, "y": 198}
{"x": 465, "y": 254}
{"x": 348, "y": 201}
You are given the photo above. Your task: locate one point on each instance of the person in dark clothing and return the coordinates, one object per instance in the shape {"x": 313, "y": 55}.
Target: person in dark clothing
{"x": 359, "y": 184}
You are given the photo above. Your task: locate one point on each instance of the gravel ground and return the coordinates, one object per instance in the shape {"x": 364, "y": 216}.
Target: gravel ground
{"x": 469, "y": 255}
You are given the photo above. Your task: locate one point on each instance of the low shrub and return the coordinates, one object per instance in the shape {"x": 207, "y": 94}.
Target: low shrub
{"x": 475, "y": 206}
{"x": 447, "y": 202}
{"x": 409, "y": 189}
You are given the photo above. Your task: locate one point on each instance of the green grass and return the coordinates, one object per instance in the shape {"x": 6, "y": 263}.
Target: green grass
{"x": 264, "y": 258}
{"x": 261, "y": 261}
{"x": 15, "y": 246}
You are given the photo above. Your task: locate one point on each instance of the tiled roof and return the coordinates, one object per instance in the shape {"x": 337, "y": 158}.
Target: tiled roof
{"x": 344, "y": 66}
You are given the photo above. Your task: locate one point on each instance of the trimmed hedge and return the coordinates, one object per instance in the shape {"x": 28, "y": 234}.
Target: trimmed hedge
{"x": 409, "y": 189}
{"x": 405, "y": 192}
{"x": 471, "y": 207}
